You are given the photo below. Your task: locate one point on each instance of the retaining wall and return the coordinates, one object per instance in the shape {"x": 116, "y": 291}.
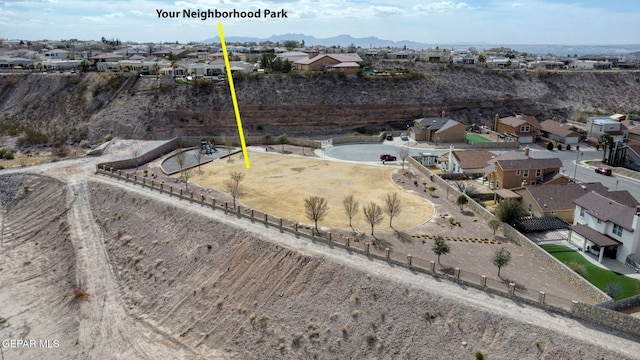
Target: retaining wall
{"x": 607, "y": 317}
{"x": 357, "y": 139}
{"x": 151, "y": 155}
{"x": 514, "y": 235}
{"x": 495, "y": 145}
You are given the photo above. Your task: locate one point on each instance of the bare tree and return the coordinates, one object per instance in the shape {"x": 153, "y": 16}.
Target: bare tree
{"x": 186, "y": 174}
{"x": 199, "y": 154}
{"x": 350, "y": 205}
{"x": 233, "y": 186}
{"x": 403, "y": 154}
{"x": 181, "y": 159}
{"x": 315, "y": 209}
{"x": 392, "y": 206}
{"x": 373, "y": 214}
{"x": 134, "y": 151}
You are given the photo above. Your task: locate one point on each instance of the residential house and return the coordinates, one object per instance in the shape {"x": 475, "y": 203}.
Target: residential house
{"x": 470, "y": 162}
{"x": 55, "y": 54}
{"x": 439, "y": 130}
{"x": 504, "y": 172}
{"x": 596, "y": 126}
{"x": 560, "y": 132}
{"x": 347, "y": 63}
{"x": 606, "y": 226}
{"x": 555, "y": 199}
{"x": 633, "y": 126}
{"x": 525, "y": 128}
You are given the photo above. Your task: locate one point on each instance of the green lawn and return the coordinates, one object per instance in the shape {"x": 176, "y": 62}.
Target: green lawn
{"x": 476, "y": 138}
{"x": 596, "y": 275}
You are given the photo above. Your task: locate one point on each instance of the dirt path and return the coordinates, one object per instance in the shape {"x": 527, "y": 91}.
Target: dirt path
{"x": 106, "y": 331}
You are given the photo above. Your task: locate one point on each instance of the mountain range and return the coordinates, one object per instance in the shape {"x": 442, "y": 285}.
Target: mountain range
{"x": 374, "y": 42}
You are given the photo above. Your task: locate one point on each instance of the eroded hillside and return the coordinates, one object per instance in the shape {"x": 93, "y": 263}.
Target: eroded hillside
{"x": 211, "y": 285}
{"x": 93, "y": 105}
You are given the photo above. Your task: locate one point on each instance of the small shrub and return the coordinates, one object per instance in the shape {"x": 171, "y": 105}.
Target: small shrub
{"x": 614, "y": 290}
{"x": 415, "y": 182}
{"x": 80, "y": 293}
{"x": 371, "y": 338}
{"x": 479, "y": 355}
{"x": 580, "y": 269}
{"x": 297, "y": 339}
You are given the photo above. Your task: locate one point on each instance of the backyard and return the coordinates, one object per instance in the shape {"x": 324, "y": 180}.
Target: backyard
{"x": 606, "y": 280}
{"x": 474, "y": 138}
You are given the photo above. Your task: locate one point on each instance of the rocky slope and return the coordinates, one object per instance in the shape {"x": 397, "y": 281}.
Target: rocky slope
{"x": 94, "y": 105}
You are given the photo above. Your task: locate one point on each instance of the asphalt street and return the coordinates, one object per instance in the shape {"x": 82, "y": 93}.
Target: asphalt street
{"x": 370, "y": 153}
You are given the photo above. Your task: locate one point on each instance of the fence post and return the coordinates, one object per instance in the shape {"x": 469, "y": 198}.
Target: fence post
{"x": 456, "y": 273}
{"x": 366, "y": 247}
{"x": 170, "y": 190}
{"x": 483, "y": 281}
{"x": 279, "y": 223}
{"x": 226, "y": 206}
{"x": 295, "y": 227}
{"x": 409, "y": 257}
{"x": 387, "y": 253}
{"x": 213, "y": 203}
{"x": 239, "y": 209}
{"x": 135, "y": 178}
{"x": 127, "y": 176}
{"x": 541, "y": 297}
{"x": 202, "y": 199}
{"x": 144, "y": 182}
{"x": 153, "y": 183}
{"x": 346, "y": 242}
{"x": 161, "y": 186}
{"x": 191, "y": 195}
{"x": 252, "y": 214}
{"x": 329, "y": 234}
{"x": 433, "y": 266}
{"x": 119, "y": 172}
{"x": 266, "y": 218}
{"x": 180, "y": 192}
{"x": 512, "y": 288}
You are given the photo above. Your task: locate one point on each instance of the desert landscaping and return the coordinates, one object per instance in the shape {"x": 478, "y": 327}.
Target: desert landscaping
{"x": 178, "y": 281}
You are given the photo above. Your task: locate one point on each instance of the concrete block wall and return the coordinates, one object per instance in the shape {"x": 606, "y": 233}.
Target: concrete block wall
{"x": 512, "y": 234}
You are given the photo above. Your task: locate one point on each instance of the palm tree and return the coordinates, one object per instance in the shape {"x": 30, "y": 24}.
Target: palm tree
{"x": 605, "y": 140}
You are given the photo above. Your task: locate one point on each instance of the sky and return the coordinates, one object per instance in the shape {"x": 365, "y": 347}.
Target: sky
{"x": 553, "y": 22}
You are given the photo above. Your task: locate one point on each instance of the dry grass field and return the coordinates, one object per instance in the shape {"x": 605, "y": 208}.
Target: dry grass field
{"x": 278, "y": 185}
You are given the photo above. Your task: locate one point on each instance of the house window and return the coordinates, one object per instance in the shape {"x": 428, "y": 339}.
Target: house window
{"x": 533, "y": 183}
{"x": 517, "y": 172}
{"x": 581, "y": 212}
{"x": 611, "y": 127}
{"x": 524, "y": 128}
{"x": 526, "y": 173}
{"x": 529, "y": 208}
{"x": 599, "y": 221}
{"x": 497, "y": 184}
{"x": 538, "y": 172}
{"x": 617, "y": 230}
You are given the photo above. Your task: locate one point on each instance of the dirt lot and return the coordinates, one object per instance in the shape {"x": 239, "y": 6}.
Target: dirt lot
{"x": 279, "y": 184}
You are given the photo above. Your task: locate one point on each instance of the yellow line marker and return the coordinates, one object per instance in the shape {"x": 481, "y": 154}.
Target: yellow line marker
{"x": 233, "y": 96}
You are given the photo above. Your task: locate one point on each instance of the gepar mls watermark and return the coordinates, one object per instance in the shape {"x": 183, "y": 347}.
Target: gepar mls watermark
{"x": 30, "y": 344}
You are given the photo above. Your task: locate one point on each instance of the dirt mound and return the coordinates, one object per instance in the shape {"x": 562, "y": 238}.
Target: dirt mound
{"x": 37, "y": 270}
{"x": 210, "y": 284}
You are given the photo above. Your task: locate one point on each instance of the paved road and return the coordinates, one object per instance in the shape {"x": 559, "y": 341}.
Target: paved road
{"x": 371, "y": 153}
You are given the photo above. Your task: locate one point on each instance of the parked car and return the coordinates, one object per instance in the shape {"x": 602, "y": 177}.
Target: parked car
{"x": 387, "y": 157}
{"x": 603, "y": 171}
{"x": 404, "y": 137}
{"x": 389, "y": 137}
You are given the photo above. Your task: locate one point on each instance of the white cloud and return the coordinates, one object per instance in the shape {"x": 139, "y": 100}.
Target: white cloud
{"x": 441, "y": 7}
